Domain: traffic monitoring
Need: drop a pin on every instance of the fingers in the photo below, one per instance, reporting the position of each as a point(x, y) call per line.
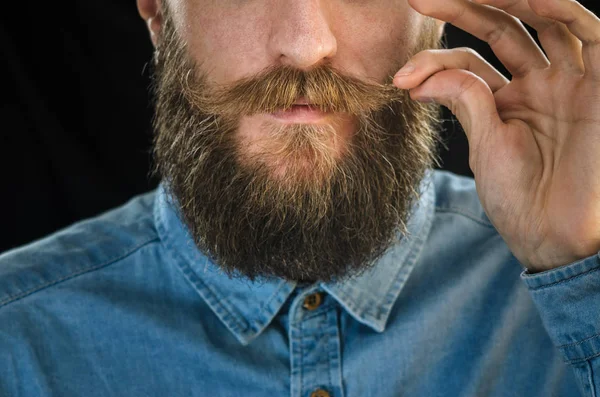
point(430, 62)
point(506, 35)
point(468, 97)
point(562, 47)
point(581, 22)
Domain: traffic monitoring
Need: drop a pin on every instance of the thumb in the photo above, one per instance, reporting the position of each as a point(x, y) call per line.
point(467, 96)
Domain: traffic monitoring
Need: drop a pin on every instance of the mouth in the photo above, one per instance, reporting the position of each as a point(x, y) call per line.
point(301, 112)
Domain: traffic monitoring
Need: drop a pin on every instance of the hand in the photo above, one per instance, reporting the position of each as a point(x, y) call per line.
point(535, 140)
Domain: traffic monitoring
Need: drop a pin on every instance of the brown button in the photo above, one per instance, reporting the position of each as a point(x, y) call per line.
point(313, 301)
point(320, 393)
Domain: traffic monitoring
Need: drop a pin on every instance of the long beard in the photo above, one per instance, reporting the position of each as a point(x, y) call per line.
point(326, 217)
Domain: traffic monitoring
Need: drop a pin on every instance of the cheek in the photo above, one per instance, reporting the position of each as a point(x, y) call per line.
point(377, 40)
point(230, 40)
point(225, 41)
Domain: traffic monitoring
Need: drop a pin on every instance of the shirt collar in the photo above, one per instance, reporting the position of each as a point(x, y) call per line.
point(246, 308)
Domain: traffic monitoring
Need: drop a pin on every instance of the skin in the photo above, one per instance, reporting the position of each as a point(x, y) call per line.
point(534, 140)
point(236, 39)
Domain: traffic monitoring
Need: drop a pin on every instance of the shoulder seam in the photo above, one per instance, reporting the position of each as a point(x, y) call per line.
point(14, 298)
point(459, 211)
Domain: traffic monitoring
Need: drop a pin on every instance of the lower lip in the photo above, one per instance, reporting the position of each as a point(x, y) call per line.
point(300, 114)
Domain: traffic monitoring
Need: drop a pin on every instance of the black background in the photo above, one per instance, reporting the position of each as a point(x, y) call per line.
point(75, 113)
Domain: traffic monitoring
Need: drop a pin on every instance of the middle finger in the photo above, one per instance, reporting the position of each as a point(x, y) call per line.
point(561, 46)
point(505, 34)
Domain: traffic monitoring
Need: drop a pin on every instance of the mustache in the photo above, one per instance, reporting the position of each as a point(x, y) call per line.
point(280, 88)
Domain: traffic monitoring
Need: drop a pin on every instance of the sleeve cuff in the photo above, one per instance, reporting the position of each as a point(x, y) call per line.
point(568, 300)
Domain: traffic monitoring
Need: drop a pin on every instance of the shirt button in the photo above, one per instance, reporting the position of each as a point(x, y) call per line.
point(320, 393)
point(313, 301)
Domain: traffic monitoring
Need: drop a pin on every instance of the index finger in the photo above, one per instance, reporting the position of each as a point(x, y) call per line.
point(506, 35)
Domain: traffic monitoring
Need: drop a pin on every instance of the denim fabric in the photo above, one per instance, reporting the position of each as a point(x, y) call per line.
point(125, 305)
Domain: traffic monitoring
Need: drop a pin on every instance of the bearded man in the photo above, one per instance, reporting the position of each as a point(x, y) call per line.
point(300, 243)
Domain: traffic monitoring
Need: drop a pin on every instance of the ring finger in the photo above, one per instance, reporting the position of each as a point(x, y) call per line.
point(506, 35)
point(562, 48)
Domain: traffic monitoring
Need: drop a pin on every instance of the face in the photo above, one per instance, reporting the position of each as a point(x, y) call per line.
point(279, 134)
point(232, 39)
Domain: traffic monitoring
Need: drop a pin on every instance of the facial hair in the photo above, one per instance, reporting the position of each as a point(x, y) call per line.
point(326, 216)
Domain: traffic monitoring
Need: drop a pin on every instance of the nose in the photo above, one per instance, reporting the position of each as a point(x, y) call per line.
point(301, 35)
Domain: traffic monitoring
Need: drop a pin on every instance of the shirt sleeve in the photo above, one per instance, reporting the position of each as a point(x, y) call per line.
point(568, 299)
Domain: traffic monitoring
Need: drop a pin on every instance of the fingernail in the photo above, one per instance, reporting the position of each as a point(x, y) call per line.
point(406, 70)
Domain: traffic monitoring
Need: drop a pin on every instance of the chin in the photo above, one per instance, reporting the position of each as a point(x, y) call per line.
point(295, 152)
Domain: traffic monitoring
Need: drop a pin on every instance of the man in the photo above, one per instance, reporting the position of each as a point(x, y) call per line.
point(299, 243)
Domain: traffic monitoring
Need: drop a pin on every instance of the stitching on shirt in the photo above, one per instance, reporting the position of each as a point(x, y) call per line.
point(366, 316)
point(580, 342)
point(258, 317)
point(14, 298)
point(402, 275)
point(591, 378)
point(565, 280)
point(328, 343)
point(349, 302)
point(413, 255)
point(465, 214)
point(323, 309)
point(238, 326)
point(219, 306)
point(579, 360)
point(301, 359)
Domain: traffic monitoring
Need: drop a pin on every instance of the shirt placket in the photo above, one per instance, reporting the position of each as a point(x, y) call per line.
point(315, 346)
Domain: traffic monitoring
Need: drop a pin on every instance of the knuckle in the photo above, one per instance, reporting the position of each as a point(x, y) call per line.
point(496, 33)
point(505, 25)
point(467, 82)
point(469, 52)
point(541, 8)
point(552, 28)
point(429, 57)
point(426, 55)
point(594, 41)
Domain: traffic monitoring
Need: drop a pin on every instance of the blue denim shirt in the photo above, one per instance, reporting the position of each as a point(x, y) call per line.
point(125, 305)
